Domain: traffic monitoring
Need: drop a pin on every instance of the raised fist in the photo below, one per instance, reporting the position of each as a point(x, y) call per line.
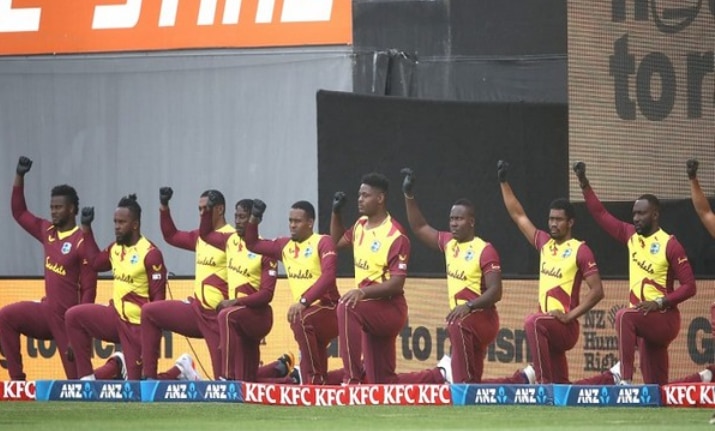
point(87, 216)
point(23, 166)
point(409, 182)
point(580, 169)
point(338, 201)
point(212, 199)
point(502, 170)
point(692, 168)
point(165, 194)
point(259, 207)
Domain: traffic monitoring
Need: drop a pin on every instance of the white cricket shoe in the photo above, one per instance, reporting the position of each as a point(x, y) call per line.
point(445, 365)
point(530, 374)
point(186, 365)
point(616, 371)
point(123, 364)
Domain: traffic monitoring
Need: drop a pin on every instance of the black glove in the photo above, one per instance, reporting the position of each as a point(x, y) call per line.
point(23, 166)
point(211, 199)
point(580, 169)
point(87, 216)
point(338, 201)
point(165, 194)
point(692, 168)
point(502, 170)
point(409, 182)
point(259, 207)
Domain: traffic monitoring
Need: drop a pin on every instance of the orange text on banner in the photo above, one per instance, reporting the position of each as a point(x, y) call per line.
point(52, 27)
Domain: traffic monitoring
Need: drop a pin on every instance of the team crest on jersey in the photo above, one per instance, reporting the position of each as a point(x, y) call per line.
point(308, 251)
point(134, 259)
point(66, 247)
point(251, 255)
point(654, 248)
point(375, 246)
point(469, 255)
point(567, 253)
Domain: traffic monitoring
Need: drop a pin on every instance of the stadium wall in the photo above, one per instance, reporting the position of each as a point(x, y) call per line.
point(240, 121)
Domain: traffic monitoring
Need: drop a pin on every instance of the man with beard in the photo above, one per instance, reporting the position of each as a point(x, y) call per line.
point(372, 315)
point(139, 278)
point(310, 262)
point(565, 261)
point(195, 317)
point(656, 258)
point(473, 285)
point(246, 318)
point(69, 279)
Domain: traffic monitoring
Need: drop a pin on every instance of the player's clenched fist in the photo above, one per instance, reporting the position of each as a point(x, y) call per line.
point(212, 199)
point(692, 168)
point(338, 201)
point(87, 216)
point(259, 207)
point(408, 184)
point(23, 166)
point(580, 169)
point(165, 194)
point(502, 170)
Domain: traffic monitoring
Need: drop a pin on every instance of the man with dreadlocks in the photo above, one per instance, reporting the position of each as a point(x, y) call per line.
point(139, 278)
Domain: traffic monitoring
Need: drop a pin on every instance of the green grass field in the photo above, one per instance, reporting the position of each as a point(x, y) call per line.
point(208, 416)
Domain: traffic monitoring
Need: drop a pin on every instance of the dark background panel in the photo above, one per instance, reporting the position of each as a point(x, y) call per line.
point(453, 148)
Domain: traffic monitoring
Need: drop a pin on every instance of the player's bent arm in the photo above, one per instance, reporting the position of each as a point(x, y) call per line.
point(263, 247)
point(172, 235)
point(594, 295)
point(264, 295)
point(492, 293)
point(702, 206)
point(208, 234)
point(394, 286)
point(422, 230)
point(98, 260)
point(337, 230)
point(87, 279)
point(680, 265)
point(156, 274)
point(328, 270)
point(517, 213)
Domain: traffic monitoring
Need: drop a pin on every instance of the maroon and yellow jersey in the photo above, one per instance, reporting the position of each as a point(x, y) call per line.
point(211, 282)
point(139, 274)
point(650, 271)
point(467, 263)
point(654, 261)
point(310, 264)
point(562, 267)
point(69, 277)
point(380, 252)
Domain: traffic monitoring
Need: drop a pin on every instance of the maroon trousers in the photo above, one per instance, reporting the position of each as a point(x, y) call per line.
point(315, 328)
point(549, 340)
point(87, 321)
point(470, 336)
point(241, 330)
point(651, 333)
point(368, 332)
point(187, 318)
point(36, 320)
